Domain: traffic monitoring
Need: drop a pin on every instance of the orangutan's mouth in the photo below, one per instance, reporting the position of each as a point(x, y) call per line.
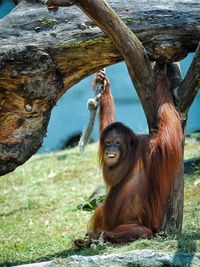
point(111, 155)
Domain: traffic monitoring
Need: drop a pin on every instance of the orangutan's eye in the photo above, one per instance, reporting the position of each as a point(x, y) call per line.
point(108, 142)
point(117, 143)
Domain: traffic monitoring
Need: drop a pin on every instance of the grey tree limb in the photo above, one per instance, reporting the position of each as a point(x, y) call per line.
point(190, 85)
point(143, 258)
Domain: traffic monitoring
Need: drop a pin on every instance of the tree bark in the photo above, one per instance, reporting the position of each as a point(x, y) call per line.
point(42, 55)
point(131, 49)
point(142, 258)
point(190, 86)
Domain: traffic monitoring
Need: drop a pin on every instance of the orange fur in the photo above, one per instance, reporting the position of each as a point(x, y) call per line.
point(139, 186)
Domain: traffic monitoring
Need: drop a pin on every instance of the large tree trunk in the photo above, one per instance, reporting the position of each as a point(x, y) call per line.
point(173, 217)
point(42, 55)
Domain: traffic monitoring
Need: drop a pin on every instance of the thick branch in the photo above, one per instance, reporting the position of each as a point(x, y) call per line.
point(190, 85)
point(129, 46)
point(142, 258)
point(63, 3)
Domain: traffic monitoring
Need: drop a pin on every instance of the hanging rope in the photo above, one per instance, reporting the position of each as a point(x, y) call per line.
point(92, 105)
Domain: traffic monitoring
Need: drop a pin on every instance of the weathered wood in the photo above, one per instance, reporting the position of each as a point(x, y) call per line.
point(142, 258)
point(173, 217)
point(43, 54)
point(189, 87)
point(25, 104)
point(131, 49)
point(61, 3)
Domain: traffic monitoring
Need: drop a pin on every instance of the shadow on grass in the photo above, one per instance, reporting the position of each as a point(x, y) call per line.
point(63, 255)
point(46, 156)
point(190, 165)
point(13, 212)
point(186, 246)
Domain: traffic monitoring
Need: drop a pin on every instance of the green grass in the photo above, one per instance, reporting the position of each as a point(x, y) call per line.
point(38, 208)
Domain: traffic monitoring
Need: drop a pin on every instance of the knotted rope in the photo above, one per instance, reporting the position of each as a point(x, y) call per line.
point(92, 105)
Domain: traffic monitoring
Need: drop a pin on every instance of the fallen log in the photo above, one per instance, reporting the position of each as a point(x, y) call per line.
point(136, 258)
